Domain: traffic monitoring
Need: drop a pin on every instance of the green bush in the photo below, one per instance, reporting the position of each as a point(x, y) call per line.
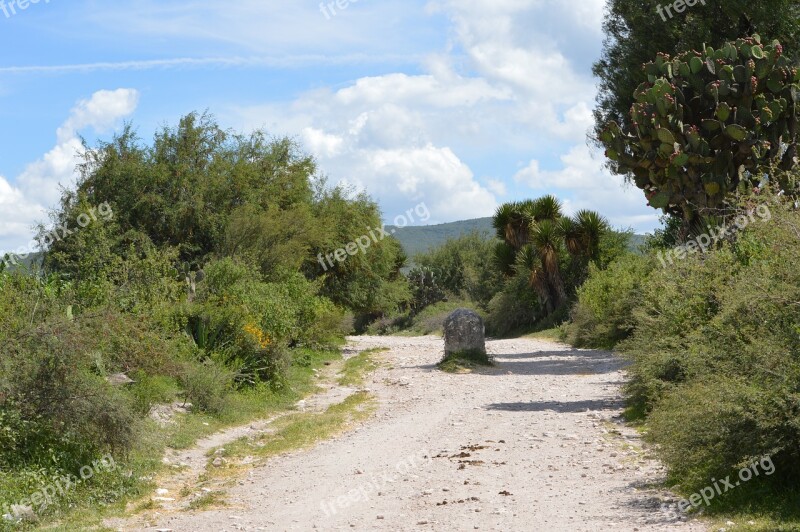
point(713, 349)
point(603, 313)
point(426, 289)
point(150, 390)
point(207, 385)
point(516, 307)
point(59, 410)
point(715, 425)
point(669, 344)
point(461, 267)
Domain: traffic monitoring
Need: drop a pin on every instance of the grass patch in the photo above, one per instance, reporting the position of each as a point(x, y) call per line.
point(357, 367)
point(207, 500)
point(755, 507)
point(635, 413)
point(553, 334)
point(297, 431)
point(465, 361)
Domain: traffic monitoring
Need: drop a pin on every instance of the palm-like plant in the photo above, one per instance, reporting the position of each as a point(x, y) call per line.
point(511, 222)
point(534, 234)
point(589, 228)
point(504, 258)
point(546, 208)
point(529, 264)
point(546, 239)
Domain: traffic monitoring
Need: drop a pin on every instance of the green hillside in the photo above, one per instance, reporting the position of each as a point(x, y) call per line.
point(420, 239)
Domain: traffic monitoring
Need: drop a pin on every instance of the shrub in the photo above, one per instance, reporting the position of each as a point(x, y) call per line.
point(207, 385)
point(60, 410)
point(603, 313)
point(461, 268)
point(715, 354)
point(426, 289)
point(713, 426)
point(668, 344)
point(517, 306)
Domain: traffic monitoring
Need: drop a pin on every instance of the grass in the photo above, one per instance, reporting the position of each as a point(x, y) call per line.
point(295, 432)
point(756, 507)
point(357, 367)
point(108, 495)
point(207, 500)
point(464, 361)
point(553, 334)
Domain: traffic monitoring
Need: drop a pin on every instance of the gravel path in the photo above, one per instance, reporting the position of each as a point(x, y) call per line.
point(532, 444)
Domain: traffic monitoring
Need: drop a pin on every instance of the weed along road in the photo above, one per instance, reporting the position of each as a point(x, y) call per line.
point(534, 443)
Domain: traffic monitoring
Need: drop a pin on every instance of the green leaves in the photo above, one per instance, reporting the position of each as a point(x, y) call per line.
point(723, 111)
point(665, 135)
point(660, 200)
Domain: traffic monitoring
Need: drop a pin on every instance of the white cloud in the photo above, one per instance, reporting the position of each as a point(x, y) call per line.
point(497, 187)
point(38, 188)
point(589, 185)
point(513, 78)
point(101, 112)
point(430, 174)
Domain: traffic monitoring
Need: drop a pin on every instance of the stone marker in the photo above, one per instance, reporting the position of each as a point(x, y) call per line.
point(464, 331)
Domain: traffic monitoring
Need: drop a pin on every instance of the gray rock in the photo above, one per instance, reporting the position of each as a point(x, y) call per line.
point(119, 379)
point(464, 331)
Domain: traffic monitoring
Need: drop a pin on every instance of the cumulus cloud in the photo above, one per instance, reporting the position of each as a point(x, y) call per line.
point(38, 188)
point(513, 82)
point(587, 184)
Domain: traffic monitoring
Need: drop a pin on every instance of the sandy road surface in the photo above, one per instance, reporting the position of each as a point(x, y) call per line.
point(532, 444)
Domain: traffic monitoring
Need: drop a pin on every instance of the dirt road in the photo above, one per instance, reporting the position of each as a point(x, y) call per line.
point(532, 444)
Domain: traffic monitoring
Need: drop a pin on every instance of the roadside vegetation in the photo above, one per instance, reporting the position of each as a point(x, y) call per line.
point(200, 299)
point(708, 314)
point(204, 300)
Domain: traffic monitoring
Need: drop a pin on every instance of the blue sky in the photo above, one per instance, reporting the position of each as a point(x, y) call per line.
point(461, 104)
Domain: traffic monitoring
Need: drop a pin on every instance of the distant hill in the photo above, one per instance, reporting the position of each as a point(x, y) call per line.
point(29, 262)
point(419, 239)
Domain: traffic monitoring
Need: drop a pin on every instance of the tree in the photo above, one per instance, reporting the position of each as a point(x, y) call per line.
point(635, 33)
point(706, 123)
point(535, 235)
point(204, 193)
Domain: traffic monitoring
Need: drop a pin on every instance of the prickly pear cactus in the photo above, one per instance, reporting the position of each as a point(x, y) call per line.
point(705, 123)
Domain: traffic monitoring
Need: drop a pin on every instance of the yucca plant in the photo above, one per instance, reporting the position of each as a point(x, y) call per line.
point(529, 264)
point(546, 239)
point(534, 234)
point(504, 258)
point(511, 222)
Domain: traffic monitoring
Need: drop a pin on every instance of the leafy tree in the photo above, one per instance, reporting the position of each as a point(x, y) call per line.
point(181, 191)
point(204, 193)
point(370, 282)
point(706, 123)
